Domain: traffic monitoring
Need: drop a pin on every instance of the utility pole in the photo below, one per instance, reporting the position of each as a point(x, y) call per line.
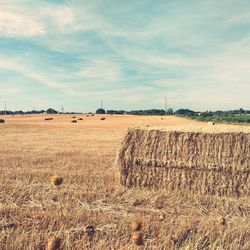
point(166, 105)
point(5, 111)
point(62, 109)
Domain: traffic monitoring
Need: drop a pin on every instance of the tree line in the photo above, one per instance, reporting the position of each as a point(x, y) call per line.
point(33, 112)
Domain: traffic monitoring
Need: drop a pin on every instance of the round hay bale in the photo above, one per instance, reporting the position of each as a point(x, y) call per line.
point(74, 121)
point(73, 117)
point(80, 119)
point(211, 123)
point(2, 121)
point(49, 119)
point(103, 118)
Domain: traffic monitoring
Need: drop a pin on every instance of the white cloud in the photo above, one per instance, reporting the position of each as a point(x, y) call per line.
point(19, 25)
point(61, 17)
point(182, 52)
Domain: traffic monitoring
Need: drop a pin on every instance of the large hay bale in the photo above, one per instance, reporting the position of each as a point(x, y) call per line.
point(2, 121)
point(202, 161)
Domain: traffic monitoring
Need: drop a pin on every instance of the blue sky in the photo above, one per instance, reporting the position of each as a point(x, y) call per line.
point(131, 54)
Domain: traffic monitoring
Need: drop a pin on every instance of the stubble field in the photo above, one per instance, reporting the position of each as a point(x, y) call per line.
point(32, 150)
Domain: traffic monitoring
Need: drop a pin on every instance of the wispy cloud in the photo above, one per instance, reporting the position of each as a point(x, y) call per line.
point(131, 54)
point(60, 17)
point(100, 70)
point(22, 69)
point(18, 25)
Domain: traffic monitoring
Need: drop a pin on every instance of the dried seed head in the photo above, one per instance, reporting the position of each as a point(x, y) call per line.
point(54, 243)
point(222, 221)
point(137, 238)
point(56, 180)
point(161, 217)
point(137, 225)
point(90, 231)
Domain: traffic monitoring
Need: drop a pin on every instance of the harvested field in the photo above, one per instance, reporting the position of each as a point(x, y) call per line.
point(32, 150)
point(212, 160)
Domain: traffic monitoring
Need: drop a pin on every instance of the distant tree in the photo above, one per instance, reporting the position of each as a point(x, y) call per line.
point(206, 114)
point(116, 112)
point(184, 112)
point(170, 111)
point(100, 111)
point(147, 112)
point(241, 111)
point(20, 112)
point(51, 111)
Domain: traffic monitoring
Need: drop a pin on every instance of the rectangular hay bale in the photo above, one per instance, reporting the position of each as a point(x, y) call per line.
point(201, 161)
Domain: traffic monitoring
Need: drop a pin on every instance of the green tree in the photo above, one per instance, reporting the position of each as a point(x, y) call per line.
point(100, 111)
point(170, 111)
point(51, 111)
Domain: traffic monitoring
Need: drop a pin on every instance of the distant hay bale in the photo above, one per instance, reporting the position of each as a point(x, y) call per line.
point(103, 118)
point(80, 119)
point(199, 161)
point(73, 117)
point(211, 123)
point(49, 119)
point(2, 121)
point(74, 121)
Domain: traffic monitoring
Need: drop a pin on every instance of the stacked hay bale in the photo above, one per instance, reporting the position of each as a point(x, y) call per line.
point(202, 161)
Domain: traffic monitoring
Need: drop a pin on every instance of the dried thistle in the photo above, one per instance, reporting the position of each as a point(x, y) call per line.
point(137, 238)
point(137, 225)
point(56, 180)
point(161, 217)
point(222, 221)
point(90, 231)
point(54, 243)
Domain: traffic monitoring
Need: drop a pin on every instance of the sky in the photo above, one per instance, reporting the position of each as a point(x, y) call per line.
point(130, 54)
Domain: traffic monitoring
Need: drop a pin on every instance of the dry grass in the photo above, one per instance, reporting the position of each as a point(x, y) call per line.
point(201, 160)
point(33, 150)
